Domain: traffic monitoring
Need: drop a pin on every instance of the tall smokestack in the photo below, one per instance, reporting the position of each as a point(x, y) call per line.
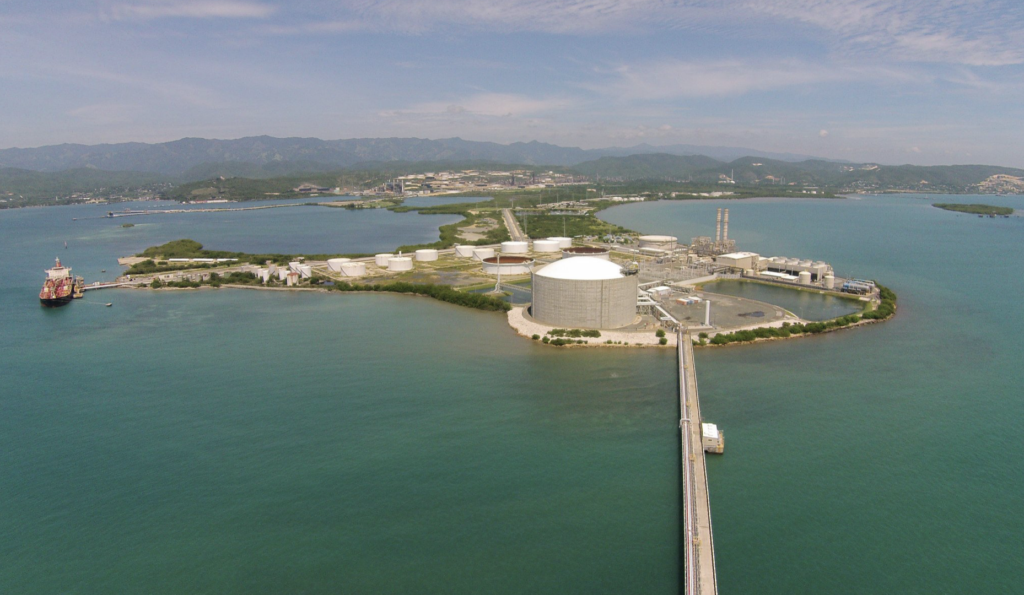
point(718, 227)
point(725, 229)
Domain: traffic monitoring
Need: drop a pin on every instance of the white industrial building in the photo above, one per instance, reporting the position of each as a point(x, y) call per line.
point(739, 260)
point(584, 292)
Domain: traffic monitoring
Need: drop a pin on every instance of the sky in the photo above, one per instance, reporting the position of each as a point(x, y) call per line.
point(888, 81)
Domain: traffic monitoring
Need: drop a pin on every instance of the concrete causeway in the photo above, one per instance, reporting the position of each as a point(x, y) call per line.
point(698, 542)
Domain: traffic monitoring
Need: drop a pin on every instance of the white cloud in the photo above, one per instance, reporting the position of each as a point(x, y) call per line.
point(823, 133)
point(488, 105)
point(197, 9)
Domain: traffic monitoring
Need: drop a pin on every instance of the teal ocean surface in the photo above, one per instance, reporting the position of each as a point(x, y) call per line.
point(232, 441)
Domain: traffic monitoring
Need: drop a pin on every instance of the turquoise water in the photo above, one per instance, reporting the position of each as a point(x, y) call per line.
point(881, 459)
point(805, 304)
point(257, 442)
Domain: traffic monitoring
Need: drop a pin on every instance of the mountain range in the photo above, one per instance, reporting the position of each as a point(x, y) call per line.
point(266, 156)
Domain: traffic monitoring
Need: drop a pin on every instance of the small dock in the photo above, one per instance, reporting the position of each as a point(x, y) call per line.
point(698, 542)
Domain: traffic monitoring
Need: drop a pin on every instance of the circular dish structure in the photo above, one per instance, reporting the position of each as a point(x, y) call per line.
point(584, 292)
point(426, 255)
point(464, 251)
point(334, 264)
point(400, 263)
point(659, 242)
point(562, 242)
point(381, 260)
point(482, 253)
point(508, 265)
point(515, 247)
point(546, 246)
point(585, 251)
point(353, 269)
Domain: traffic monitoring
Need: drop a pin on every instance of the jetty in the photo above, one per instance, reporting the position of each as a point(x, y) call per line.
point(698, 542)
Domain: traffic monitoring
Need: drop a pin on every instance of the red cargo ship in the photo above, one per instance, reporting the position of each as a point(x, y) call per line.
point(60, 287)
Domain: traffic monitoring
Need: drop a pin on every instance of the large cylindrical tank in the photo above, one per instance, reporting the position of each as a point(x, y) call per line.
point(482, 253)
point(294, 266)
point(305, 271)
point(585, 251)
point(381, 260)
point(282, 274)
point(805, 277)
point(515, 247)
point(830, 282)
point(546, 246)
point(464, 251)
point(353, 269)
point(508, 265)
point(272, 268)
point(426, 255)
point(335, 263)
point(400, 263)
point(584, 292)
point(658, 242)
point(562, 242)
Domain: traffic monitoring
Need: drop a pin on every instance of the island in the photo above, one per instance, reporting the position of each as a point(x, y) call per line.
point(976, 209)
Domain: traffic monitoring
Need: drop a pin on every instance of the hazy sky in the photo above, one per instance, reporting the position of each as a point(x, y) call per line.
point(895, 81)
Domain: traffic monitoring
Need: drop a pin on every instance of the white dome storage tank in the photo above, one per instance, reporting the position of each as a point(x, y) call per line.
point(805, 277)
point(658, 242)
point(294, 266)
point(335, 263)
point(464, 251)
point(830, 282)
point(305, 271)
point(482, 253)
point(381, 260)
point(514, 247)
point(584, 292)
point(546, 246)
point(426, 255)
point(400, 263)
point(562, 242)
point(508, 265)
point(353, 269)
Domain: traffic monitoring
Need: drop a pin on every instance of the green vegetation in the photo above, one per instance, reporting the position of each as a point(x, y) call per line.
point(543, 225)
point(535, 337)
point(444, 293)
point(22, 187)
point(886, 309)
point(574, 333)
point(127, 225)
point(450, 233)
point(193, 249)
point(975, 209)
point(659, 333)
point(663, 341)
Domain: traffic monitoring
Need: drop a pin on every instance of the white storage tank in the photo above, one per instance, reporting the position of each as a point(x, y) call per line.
point(830, 282)
point(464, 251)
point(335, 263)
point(584, 292)
point(400, 263)
point(562, 242)
point(805, 277)
point(294, 266)
point(514, 247)
point(508, 265)
point(305, 271)
point(546, 246)
point(658, 242)
point(272, 268)
point(482, 253)
point(282, 274)
point(426, 255)
point(353, 269)
point(381, 260)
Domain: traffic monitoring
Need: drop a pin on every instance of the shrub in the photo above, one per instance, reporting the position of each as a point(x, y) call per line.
point(663, 341)
point(535, 337)
point(702, 335)
point(659, 333)
point(546, 340)
point(156, 284)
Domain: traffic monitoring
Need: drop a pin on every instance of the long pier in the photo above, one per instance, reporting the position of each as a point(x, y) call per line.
point(698, 542)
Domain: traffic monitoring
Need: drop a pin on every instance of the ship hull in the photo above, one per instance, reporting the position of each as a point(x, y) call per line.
point(55, 302)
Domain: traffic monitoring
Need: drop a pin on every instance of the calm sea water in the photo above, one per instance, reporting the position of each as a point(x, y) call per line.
point(805, 304)
point(885, 459)
point(257, 442)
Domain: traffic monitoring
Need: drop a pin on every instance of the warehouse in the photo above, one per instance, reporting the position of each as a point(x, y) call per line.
point(584, 292)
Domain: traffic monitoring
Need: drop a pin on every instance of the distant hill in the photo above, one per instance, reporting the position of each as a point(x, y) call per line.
point(191, 158)
point(812, 172)
point(20, 186)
